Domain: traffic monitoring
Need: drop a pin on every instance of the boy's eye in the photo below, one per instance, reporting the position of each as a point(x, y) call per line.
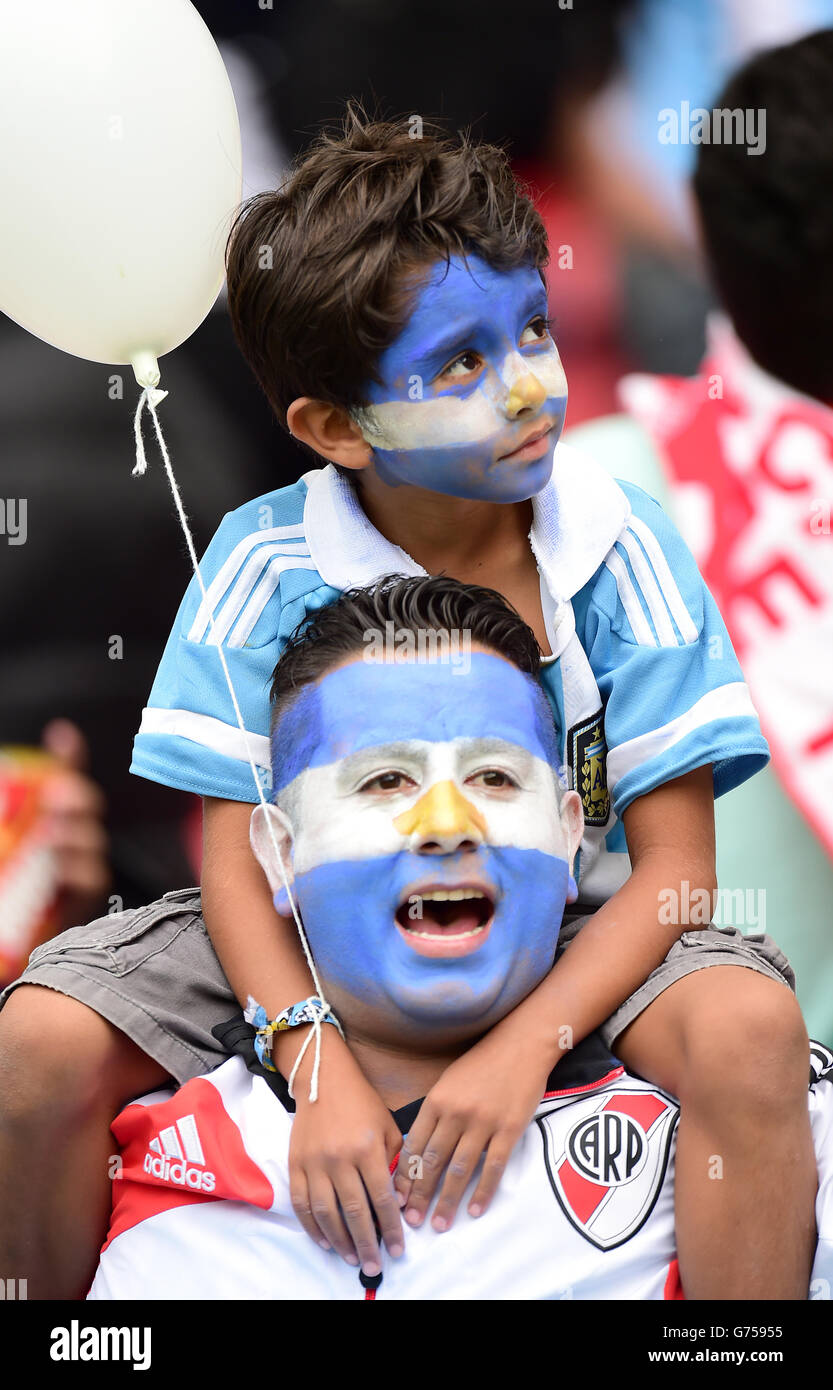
point(388, 782)
point(493, 778)
point(467, 362)
point(536, 330)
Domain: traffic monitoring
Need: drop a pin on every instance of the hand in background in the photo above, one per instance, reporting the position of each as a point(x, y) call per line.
point(73, 826)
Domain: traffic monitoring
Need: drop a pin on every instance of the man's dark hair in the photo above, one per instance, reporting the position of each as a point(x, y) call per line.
point(320, 271)
point(433, 604)
point(768, 218)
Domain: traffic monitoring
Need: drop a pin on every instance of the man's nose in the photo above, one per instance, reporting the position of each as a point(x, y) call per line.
point(442, 821)
point(525, 392)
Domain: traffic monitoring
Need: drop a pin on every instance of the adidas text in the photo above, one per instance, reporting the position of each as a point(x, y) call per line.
point(177, 1171)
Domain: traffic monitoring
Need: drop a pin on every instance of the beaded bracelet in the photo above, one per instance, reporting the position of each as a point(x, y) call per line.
point(307, 1011)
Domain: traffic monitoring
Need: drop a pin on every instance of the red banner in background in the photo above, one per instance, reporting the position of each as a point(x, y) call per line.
point(750, 465)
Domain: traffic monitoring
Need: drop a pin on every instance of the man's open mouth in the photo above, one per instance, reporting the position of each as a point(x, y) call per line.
point(446, 921)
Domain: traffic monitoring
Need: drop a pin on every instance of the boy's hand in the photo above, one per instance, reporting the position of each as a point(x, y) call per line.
point(340, 1155)
point(481, 1104)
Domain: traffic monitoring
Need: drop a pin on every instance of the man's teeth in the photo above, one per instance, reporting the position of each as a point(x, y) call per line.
point(450, 895)
point(445, 936)
point(447, 895)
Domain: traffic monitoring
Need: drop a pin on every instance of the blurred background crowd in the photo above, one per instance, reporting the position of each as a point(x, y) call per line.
point(86, 603)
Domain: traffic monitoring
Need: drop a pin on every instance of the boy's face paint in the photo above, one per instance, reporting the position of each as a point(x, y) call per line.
point(422, 785)
point(473, 392)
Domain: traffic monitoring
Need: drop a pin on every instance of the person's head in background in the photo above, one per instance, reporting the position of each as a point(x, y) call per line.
point(417, 809)
point(767, 218)
point(390, 299)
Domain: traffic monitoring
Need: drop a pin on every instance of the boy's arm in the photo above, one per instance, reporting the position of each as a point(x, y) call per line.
point(485, 1100)
point(344, 1142)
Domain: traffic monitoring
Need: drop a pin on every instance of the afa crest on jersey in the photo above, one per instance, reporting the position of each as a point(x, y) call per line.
point(587, 755)
point(606, 1169)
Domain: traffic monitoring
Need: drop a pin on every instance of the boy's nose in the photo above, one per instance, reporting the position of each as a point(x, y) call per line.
point(441, 821)
point(526, 391)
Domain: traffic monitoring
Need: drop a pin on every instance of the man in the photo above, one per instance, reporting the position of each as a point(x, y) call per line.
point(419, 825)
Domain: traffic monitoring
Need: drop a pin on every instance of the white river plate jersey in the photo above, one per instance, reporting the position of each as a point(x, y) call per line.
point(585, 1209)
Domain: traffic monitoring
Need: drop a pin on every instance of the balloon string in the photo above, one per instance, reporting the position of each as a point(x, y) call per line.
point(150, 398)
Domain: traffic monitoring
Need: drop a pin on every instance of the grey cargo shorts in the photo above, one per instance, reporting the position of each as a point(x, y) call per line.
point(152, 972)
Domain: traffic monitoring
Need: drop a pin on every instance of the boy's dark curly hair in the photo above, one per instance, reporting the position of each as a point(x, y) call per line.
point(319, 271)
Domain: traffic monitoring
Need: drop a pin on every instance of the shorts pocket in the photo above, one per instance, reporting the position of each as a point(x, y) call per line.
point(122, 941)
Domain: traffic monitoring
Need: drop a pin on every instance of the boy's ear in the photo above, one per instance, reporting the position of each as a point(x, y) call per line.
point(330, 431)
point(268, 823)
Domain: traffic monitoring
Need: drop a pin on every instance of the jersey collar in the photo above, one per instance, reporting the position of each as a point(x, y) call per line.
point(577, 518)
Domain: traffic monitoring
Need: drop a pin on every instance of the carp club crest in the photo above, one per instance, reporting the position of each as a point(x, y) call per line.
point(607, 1166)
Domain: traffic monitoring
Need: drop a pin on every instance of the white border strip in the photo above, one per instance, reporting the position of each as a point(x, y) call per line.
point(249, 596)
point(230, 567)
point(211, 733)
point(627, 595)
point(668, 583)
point(644, 576)
point(731, 701)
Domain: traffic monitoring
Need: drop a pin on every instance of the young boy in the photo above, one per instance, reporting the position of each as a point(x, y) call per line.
point(390, 300)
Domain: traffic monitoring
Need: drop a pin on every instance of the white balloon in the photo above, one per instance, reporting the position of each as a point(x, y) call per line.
point(120, 173)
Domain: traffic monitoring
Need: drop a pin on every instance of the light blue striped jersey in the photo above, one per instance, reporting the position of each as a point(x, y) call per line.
point(642, 681)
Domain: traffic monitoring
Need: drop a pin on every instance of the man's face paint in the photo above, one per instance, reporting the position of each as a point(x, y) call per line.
point(429, 856)
point(473, 392)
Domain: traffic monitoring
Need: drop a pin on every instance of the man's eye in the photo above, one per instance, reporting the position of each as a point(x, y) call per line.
point(535, 331)
point(493, 778)
point(463, 365)
point(388, 782)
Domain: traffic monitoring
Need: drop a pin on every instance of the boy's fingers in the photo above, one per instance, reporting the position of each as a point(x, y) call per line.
point(358, 1218)
point(421, 1131)
point(299, 1197)
point(410, 1155)
point(393, 1142)
point(326, 1215)
point(457, 1178)
point(394, 1149)
point(497, 1157)
point(427, 1168)
point(383, 1199)
point(401, 1181)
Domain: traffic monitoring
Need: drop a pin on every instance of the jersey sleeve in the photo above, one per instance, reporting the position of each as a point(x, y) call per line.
point(260, 583)
point(674, 694)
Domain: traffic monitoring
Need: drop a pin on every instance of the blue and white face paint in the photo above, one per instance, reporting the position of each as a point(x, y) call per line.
point(473, 394)
point(430, 857)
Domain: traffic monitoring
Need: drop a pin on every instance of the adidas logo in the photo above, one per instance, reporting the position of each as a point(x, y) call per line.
point(171, 1152)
